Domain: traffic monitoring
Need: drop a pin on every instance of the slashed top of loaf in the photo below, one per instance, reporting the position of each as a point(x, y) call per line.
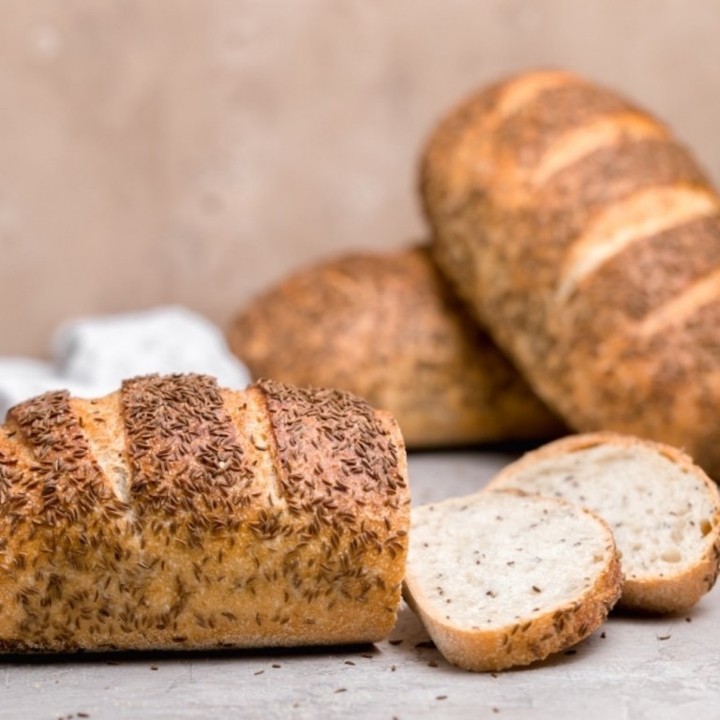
point(175, 513)
point(490, 560)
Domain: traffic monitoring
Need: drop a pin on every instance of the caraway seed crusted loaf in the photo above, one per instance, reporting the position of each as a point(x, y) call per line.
point(176, 514)
point(387, 327)
point(663, 510)
point(501, 578)
point(587, 240)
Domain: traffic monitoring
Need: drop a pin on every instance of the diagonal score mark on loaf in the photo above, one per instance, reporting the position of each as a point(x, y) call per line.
point(580, 142)
point(523, 90)
point(543, 135)
point(472, 135)
point(633, 219)
point(101, 421)
point(337, 462)
point(343, 480)
point(679, 309)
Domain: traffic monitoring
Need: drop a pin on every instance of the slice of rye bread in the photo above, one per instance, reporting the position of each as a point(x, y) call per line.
point(505, 578)
point(663, 509)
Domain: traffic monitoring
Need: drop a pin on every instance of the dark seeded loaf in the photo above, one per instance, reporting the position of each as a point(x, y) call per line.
point(586, 238)
point(501, 578)
point(175, 514)
point(663, 510)
point(387, 327)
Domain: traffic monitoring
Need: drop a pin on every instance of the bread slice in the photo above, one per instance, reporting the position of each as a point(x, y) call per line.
point(505, 578)
point(664, 511)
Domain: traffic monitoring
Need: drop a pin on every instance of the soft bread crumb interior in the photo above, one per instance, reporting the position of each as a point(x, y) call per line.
point(490, 559)
point(659, 512)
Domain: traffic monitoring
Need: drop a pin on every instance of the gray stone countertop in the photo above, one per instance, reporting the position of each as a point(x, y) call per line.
point(633, 667)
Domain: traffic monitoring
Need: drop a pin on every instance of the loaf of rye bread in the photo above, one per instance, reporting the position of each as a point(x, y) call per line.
point(175, 514)
point(587, 240)
point(387, 327)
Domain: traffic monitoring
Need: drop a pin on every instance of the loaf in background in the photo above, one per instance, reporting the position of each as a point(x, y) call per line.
point(387, 327)
point(176, 514)
point(586, 238)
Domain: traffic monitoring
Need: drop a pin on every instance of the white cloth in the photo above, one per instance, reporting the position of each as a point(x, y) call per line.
point(91, 356)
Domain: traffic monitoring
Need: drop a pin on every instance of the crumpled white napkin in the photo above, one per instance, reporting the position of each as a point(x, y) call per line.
point(91, 356)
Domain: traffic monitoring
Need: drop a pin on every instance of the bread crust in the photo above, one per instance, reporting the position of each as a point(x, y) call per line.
point(519, 195)
point(661, 593)
point(387, 327)
point(176, 514)
point(529, 639)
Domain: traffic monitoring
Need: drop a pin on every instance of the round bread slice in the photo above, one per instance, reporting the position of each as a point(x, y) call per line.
point(505, 578)
point(663, 510)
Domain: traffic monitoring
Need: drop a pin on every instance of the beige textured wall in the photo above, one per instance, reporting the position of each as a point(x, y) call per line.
point(194, 151)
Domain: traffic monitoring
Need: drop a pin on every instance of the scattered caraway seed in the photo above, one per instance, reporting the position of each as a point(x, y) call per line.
point(441, 697)
point(83, 715)
point(603, 634)
point(276, 665)
point(349, 662)
point(340, 690)
point(688, 619)
point(366, 655)
point(153, 667)
point(664, 637)
point(496, 710)
point(259, 672)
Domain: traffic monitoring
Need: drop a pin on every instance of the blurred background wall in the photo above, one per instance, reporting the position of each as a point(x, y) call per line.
point(194, 151)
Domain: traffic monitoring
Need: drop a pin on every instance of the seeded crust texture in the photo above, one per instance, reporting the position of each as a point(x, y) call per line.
point(586, 239)
point(662, 508)
point(176, 514)
point(387, 327)
point(501, 578)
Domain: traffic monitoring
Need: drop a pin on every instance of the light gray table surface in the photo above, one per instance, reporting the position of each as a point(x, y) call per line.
point(633, 667)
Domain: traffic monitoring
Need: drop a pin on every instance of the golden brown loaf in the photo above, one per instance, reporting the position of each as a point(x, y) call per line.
point(175, 514)
point(387, 327)
point(587, 239)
